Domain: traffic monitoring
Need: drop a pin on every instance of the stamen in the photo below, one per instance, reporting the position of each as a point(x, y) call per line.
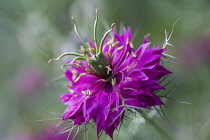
point(83, 92)
point(100, 66)
point(68, 85)
point(77, 79)
point(90, 50)
point(119, 48)
point(111, 41)
point(108, 69)
point(93, 50)
point(110, 47)
point(134, 55)
point(131, 44)
point(114, 82)
point(88, 70)
point(70, 90)
point(82, 50)
point(88, 92)
point(129, 79)
point(115, 44)
point(82, 74)
point(109, 56)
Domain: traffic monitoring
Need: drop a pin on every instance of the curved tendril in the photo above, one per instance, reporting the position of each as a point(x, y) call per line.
point(95, 27)
point(78, 34)
point(71, 63)
point(104, 37)
point(65, 54)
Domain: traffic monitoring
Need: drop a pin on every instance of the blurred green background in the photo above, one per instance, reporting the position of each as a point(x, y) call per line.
point(34, 31)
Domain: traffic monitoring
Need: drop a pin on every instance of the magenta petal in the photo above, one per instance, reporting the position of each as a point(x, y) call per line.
point(90, 108)
point(69, 75)
point(74, 106)
point(78, 118)
point(136, 75)
point(140, 51)
point(65, 97)
point(153, 100)
point(146, 38)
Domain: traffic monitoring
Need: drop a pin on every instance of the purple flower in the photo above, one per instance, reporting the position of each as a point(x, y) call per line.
point(107, 79)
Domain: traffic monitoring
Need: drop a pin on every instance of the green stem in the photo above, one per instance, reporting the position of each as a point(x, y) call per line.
point(104, 37)
point(78, 34)
point(65, 54)
point(71, 63)
point(95, 27)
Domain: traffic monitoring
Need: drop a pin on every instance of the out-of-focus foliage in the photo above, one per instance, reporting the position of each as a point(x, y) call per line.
point(34, 31)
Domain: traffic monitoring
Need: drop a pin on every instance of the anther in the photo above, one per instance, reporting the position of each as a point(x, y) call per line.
point(88, 92)
point(100, 66)
point(115, 44)
point(114, 82)
point(82, 74)
point(119, 48)
point(70, 90)
point(134, 55)
point(129, 79)
point(131, 44)
point(77, 79)
point(68, 85)
point(108, 69)
point(109, 56)
point(83, 92)
point(88, 70)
